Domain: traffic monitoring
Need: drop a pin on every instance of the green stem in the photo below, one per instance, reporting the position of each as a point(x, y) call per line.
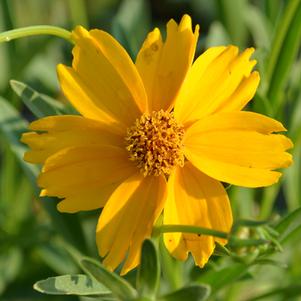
point(35, 30)
point(189, 229)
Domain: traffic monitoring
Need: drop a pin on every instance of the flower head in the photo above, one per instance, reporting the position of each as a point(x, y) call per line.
point(155, 135)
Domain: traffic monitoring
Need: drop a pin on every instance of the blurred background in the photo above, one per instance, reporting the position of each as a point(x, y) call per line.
point(33, 233)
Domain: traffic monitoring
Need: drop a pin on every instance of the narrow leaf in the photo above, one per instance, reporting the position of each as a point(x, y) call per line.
point(293, 236)
point(289, 223)
point(234, 22)
point(195, 292)
point(285, 293)
point(258, 25)
point(237, 242)
point(39, 104)
point(266, 261)
point(279, 36)
point(149, 271)
point(250, 223)
point(12, 125)
point(221, 250)
point(119, 287)
point(80, 285)
point(217, 279)
point(131, 24)
point(287, 52)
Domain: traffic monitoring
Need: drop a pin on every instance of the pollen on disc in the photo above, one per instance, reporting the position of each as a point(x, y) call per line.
point(155, 143)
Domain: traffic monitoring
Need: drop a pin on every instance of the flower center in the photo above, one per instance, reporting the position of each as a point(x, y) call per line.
point(155, 143)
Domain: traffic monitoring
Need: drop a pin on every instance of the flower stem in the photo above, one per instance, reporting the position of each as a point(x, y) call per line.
point(189, 229)
point(35, 30)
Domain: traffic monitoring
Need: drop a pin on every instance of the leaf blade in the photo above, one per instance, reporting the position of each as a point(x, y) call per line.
point(195, 292)
point(79, 285)
point(149, 271)
point(119, 287)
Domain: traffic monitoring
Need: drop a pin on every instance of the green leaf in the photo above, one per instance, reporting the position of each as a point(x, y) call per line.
point(272, 9)
point(131, 24)
point(268, 199)
point(149, 271)
point(284, 50)
point(233, 21)
point(172, 269)
point(39, 104)
point(218, 279)
point(221, 250)
point(285, 293)
point(10, 266)
point(196, 292)
point(266, 261)
point(258, 25)
point(250, 223)
point(56, 258)
point(217, 35)
point(80, 285)
point(292, 177)
point(12, 125)
point(293, 236)
point(289, 223)
point(119, 287)
point(238, 243)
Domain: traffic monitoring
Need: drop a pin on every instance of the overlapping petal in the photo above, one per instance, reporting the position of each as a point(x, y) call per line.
point(85, 176)
point(58, 132)
point(103, 82)
point(164, 65)
point(238, 148)
point(219, 80)
point(128, 218)
point(198, 200)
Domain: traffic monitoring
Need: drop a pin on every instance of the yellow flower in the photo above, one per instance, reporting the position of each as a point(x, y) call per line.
point(160, 133)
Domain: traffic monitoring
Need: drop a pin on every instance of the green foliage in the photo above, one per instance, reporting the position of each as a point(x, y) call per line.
point(192, 292)
point(148, 277)
point(79, 285)
point(289, 225)
point(131, 23)
point(119, 287)
point(39, 104)
point(108, 285)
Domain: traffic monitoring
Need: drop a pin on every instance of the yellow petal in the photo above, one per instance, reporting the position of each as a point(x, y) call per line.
point(198, 200)
point(243, 120)
point(89, 197)
point(242, 95)
point(163, 66)
point(212, 81)
point(85, 176)
point(127, 219)
point(103, 82)
point(238, 148)
point(59, 132)
point(62, 123)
